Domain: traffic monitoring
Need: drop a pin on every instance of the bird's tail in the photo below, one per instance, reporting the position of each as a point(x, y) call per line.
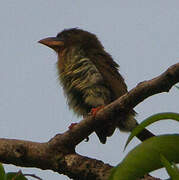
point(145, 134)
point(130, 123)
point(125, 124)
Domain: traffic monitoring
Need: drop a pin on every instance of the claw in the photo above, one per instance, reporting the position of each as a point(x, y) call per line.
point(95, 110)
point(87, 139)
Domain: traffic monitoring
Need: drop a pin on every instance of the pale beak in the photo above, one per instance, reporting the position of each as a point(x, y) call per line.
point(52, 42)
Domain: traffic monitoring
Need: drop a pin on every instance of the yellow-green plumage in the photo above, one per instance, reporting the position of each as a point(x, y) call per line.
point(82, 83)
point(90, 78)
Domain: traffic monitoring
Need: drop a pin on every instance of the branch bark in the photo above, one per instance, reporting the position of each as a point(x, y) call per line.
point(59, 154)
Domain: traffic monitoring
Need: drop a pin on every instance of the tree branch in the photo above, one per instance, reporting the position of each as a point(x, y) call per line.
point(143, 90)
point(59, 153)
point(59, 159)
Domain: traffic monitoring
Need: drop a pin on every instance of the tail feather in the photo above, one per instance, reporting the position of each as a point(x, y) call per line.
point(145, 134)
point(126, 125)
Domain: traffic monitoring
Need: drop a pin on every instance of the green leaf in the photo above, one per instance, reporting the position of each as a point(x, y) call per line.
point(150, 120)
point(146, 157)
point(171, 169)
point(113, 170)
point(15, 176)
point(2, 172)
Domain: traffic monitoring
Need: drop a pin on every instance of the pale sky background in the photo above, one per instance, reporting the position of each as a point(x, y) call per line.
point(142, 36)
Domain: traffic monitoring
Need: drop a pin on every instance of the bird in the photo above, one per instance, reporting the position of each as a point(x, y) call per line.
point(90, 79)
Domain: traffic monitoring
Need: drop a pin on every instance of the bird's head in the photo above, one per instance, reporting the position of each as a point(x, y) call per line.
point(70, 38)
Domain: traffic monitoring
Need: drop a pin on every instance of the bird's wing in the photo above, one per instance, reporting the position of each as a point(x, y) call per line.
point(109, 70)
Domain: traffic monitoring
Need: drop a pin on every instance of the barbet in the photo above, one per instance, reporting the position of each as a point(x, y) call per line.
point(90, 78)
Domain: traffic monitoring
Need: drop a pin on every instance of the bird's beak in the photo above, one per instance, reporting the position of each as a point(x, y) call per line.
point(52, 42)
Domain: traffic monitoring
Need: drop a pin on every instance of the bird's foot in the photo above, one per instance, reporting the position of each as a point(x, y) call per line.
point(72, 126)
point(95, 110)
